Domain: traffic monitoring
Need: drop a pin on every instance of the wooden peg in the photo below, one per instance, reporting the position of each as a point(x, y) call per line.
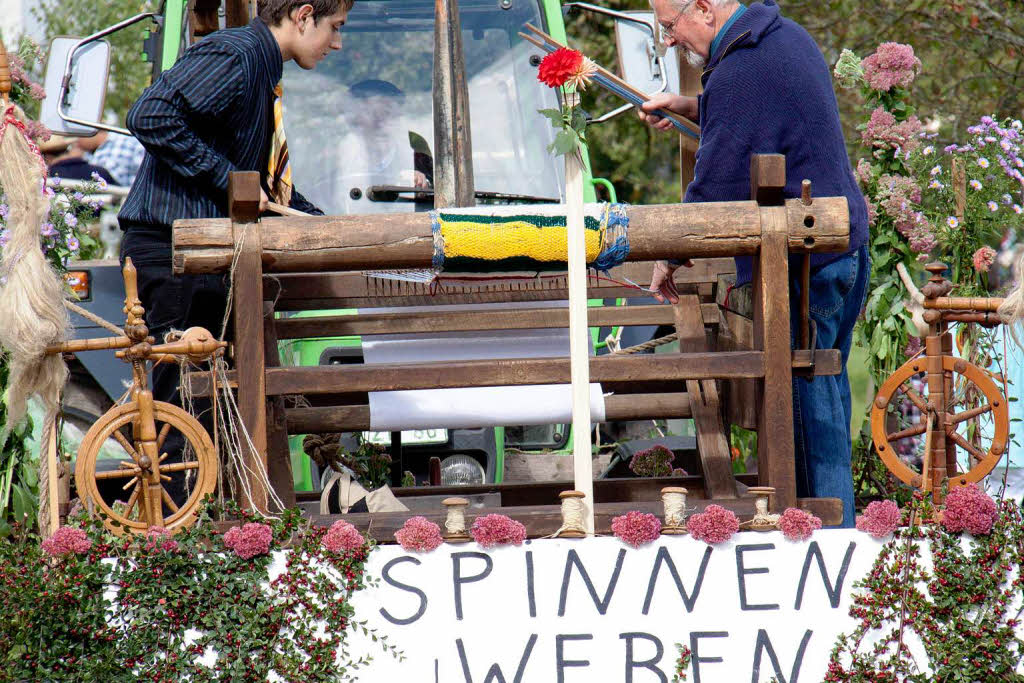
point(805, 192)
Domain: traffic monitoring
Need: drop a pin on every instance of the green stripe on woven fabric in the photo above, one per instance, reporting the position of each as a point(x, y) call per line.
point(589, 222)
point(460, 264)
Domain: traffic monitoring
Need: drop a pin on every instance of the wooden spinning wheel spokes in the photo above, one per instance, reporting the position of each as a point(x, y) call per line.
point(972, 392)
point(143, 475)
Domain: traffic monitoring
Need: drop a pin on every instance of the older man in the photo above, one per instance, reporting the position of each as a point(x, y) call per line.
point(767, 89)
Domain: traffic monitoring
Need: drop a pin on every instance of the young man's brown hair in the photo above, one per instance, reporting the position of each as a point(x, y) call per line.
point(272, 12)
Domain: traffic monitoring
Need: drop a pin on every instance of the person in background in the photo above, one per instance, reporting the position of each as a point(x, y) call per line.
point(120, 154)
point(65, 158)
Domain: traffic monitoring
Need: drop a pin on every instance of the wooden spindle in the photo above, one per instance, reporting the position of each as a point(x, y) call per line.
point(5, 75)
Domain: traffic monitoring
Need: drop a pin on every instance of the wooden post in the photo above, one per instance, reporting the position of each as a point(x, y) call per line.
point(775, 449)
point(5, 75)
point(52, 521)
point(689, 85)
point(579, 348)
point(247, 296)
point(279, 460)
point(453, 144)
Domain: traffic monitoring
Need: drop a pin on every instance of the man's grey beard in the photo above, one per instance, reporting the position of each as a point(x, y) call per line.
point(695, 60)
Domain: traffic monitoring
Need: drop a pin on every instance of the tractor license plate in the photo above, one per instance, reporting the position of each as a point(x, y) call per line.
point(411, 437)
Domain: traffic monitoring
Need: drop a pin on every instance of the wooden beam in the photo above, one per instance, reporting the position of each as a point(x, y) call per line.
point(615, 372)
point(477, 320)
point(617, 408)
point(279, 462)
point(405, 240)
point(247, 290)
point(775, 448)
point(453, 145)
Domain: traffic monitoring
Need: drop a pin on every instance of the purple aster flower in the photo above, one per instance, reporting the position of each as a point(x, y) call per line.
point(48, 230)
point(70, 220)
point(4, 211)
point(78, 196)
point(72, 243)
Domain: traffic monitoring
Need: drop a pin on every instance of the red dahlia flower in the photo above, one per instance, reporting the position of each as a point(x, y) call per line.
point(556, 68)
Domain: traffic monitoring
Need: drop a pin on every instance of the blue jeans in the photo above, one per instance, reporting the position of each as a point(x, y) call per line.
point(821, 406)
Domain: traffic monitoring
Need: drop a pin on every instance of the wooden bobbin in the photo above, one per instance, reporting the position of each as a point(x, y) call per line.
point(570, 529)
point(763, 520)
point(454, 509)
point(5, 75)
point(676, 526)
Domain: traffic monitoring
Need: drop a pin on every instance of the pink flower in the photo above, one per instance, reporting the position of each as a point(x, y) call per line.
point(714, 525)
point(893, 64)
point(159, 538)
point(67, 541)
point(342, 537)
point(984, 258)
point(419, 533)
point(636, 528)
point(798, 525)
point(863, 172)
point(969, 509)
point(250, 540)
point(492, 530)
point(883, 131)
point(655, 461)
point(880, 518)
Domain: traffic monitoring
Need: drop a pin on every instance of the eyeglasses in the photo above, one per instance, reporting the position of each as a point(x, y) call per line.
point(668, 29)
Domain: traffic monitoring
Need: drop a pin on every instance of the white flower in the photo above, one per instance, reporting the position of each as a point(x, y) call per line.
point(935, 184)
point(927, 151)
point(952, 221)
point(1016, 125)
point(975, 184)
point(983, 162)
point(992, 206)
point(70, 220)
point(1017, 209)
point(936, 170)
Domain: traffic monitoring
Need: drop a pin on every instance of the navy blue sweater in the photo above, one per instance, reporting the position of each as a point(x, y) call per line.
point(767, 89)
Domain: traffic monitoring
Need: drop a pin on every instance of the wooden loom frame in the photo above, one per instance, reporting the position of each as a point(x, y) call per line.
point(294, 249)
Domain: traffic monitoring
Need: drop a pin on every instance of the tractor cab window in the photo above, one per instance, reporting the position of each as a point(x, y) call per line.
point(361, 121)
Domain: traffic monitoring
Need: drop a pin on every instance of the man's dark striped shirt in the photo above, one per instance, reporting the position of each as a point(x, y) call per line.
point(209, 114)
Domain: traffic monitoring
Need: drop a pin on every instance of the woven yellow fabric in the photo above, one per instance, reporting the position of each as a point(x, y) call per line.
point(279, 168)
point(497, 241)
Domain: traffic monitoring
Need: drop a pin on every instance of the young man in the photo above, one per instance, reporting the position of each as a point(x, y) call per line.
point(212, 113)
point(768, 89)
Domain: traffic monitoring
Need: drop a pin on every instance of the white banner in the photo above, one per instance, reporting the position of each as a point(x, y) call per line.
point(569, 611)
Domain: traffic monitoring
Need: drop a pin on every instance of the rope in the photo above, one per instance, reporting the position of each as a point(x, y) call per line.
point(647, 345)
point(92, 317)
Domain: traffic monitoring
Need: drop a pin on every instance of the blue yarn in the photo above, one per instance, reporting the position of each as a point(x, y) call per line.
point(614, 254)
point(435, 228)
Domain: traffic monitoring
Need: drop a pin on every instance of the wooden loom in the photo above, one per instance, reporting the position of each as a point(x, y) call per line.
point(317, 263)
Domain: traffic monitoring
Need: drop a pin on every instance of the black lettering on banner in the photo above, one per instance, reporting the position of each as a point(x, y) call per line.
point(663, 557)
point(696, 660)
point(835, 593)
point(531, 596)
point(602, 605)
point(494, 674)
point(391, 581)
point(742, 571)
point(561, 663)
point(458, 579)
point(764, 644)
point(649, 664)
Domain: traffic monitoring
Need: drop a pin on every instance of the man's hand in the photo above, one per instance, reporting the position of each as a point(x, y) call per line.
point(679, 104)
point(264, 201)
point(419, 180)
point(663, 285)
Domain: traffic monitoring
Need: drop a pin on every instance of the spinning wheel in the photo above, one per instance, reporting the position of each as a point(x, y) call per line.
point(146, 474)
point(973, 416)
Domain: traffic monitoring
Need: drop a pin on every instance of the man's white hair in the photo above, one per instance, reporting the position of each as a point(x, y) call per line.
point(679, 4)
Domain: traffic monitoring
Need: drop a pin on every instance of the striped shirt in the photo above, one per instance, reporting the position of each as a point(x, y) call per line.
point(209, 114)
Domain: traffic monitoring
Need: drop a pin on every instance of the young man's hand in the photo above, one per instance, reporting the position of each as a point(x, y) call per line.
point(264, 201)
point(663, 285)
point(679, 104)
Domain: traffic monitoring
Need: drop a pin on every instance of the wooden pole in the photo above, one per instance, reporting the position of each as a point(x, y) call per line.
point(453, 144)
point(52, 522)
point(579, 351)
point(5, 75)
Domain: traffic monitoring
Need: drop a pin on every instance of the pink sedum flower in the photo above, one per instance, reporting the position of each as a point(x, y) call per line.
point(67, 541)
point(342, 537)
point(714, 525)
point(636, 528)
point(969, 509)
point(493, 530)
point(983, 259)
point(159, 538)
point(419, 534)
point(798, 525)
point(880, 518)
point(883, 131)
point(892, 65)
point(249, 540)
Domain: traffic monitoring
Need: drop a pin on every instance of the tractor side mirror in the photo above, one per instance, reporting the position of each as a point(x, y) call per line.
point(76, 86)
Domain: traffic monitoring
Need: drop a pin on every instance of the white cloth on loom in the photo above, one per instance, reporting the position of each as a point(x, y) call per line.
point(472, 407)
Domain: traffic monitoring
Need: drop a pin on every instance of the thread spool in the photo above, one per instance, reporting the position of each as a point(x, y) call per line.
point(572, 515)
point(455, 520)
point(673, 500)
point(762, 520)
